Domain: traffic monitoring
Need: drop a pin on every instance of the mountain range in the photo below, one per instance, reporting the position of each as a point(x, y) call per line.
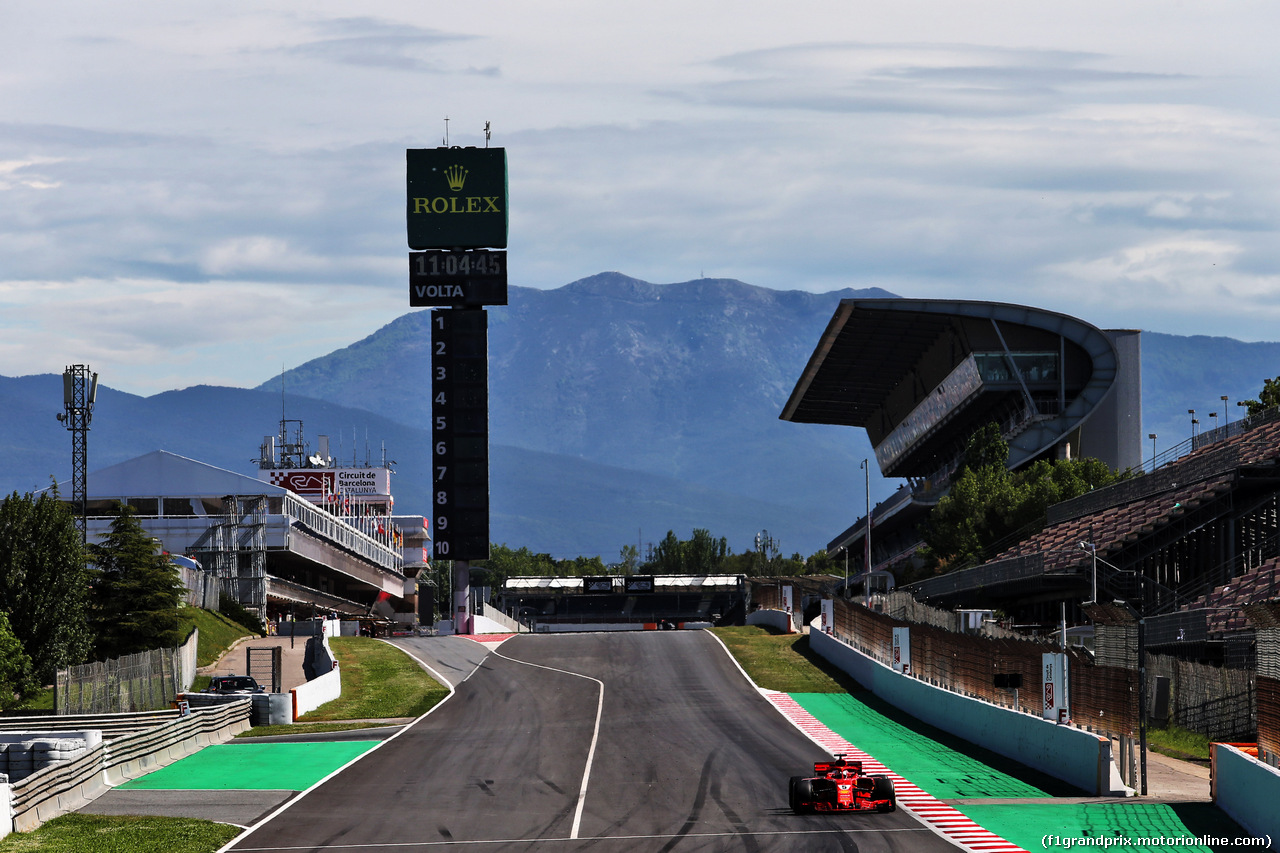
point(619, 409)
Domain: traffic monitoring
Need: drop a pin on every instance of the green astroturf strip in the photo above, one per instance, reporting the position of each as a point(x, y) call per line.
point(949, 769)
point(253, 766)
point(1047, 827)
point(917, 757)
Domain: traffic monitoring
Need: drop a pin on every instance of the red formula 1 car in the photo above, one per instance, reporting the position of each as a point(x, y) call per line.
point(841, 786)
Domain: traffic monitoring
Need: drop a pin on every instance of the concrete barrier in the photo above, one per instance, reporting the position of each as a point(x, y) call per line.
point(779, 620)
point(576, 627)
point(321, 656)
point(1246, 789)
point(68, 786)
point(111, 726)
point(1073, 755)
point(266, 709)
point(314, 693)
point(6, 806)
point(494, 621)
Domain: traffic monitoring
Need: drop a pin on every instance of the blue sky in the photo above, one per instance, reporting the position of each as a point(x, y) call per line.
point(194, 194)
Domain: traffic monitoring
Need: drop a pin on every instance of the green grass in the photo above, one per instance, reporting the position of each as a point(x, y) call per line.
point(784, 662)
point(41, 700)
point(308, 729)
point(1178, 743)
point(378, 681)
point(77, 833)
point(217, 633)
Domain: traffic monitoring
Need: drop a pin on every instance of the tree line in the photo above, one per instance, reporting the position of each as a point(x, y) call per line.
point(63, 602)
point(990, 508)
point(700, 554)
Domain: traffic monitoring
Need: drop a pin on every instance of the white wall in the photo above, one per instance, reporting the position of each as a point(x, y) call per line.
point(1246, 789)
point(317, 691)
point(779, 620)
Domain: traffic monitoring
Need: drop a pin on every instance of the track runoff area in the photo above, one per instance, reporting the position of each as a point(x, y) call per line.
point(658, 741)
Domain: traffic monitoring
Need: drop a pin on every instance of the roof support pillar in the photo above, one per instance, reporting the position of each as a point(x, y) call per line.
point(1013, 368)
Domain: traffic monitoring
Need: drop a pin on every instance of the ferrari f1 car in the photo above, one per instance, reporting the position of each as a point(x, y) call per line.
point(841, 786)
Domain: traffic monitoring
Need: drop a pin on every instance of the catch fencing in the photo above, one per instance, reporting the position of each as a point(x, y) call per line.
point(203, 589)
point(1268, 620)
point(1224, 703)
point(146, 681)
point(1103, 697)
point(1233, 703)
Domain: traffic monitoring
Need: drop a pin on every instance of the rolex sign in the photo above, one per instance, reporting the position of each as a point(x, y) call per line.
point(457, 198)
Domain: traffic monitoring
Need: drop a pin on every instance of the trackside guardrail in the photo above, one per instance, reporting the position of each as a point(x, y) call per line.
point(112, 726)
point(65, 787)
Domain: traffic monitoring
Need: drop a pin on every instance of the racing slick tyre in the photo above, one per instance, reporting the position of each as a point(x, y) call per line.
point(883, 790)
point(802, 795)
point(792, 802)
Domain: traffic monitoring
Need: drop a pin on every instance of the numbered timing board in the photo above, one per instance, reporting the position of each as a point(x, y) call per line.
point(440, 278)
point(460, 433)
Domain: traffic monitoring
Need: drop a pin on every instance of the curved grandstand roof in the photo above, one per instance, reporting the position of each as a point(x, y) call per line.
point(920, 375)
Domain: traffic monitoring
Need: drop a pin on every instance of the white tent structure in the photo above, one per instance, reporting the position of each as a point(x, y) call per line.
point(264, 543)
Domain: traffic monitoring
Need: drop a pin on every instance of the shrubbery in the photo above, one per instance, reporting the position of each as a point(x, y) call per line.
point(237, 613)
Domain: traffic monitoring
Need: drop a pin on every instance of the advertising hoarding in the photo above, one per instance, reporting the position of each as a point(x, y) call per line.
point(1056, 704)
point(307, 482)
point(456, 198)
point(901, 661)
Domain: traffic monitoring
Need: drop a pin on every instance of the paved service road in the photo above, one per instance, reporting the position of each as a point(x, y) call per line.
point(680, 754)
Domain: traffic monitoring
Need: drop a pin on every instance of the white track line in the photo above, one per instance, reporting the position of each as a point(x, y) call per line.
point(595, 736)
point(605, 839)
point(231, 845)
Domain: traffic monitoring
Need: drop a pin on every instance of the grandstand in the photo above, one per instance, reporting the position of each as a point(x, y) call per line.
point(1171, 576)
point(621, 601)
point(920, 376)
point(1189, 545)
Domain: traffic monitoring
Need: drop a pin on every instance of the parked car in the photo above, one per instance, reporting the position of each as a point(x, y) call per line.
point(230, 685)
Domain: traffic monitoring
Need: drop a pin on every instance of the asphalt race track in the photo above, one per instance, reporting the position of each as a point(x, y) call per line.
point(686, 756)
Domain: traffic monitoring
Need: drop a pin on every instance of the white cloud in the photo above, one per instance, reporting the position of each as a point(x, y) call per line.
point(221, 170)
point(19, 173)
point(142, 334)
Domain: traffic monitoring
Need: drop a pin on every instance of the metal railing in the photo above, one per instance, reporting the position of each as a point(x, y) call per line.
point(336, 530)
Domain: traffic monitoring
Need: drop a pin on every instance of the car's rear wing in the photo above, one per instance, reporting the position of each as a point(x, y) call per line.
point(823, 768)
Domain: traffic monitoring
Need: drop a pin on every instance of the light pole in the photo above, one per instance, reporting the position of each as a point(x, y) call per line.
point(1225, 418)
point(866, 580)
point(1093, 551)
point(79, 392)
point(1214, 415)
point(1152, 436)
point(1192, 412)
